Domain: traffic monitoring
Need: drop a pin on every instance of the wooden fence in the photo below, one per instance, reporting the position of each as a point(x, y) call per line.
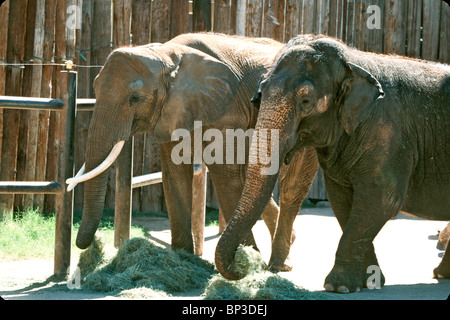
point(36, 36)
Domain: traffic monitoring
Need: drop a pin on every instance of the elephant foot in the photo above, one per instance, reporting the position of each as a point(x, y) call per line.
point(343, 280)
point(442, 271)
point(189, 248)
point(280, 265)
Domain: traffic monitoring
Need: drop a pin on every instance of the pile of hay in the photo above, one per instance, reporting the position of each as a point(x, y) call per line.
point(142, 269)
point(258, 284)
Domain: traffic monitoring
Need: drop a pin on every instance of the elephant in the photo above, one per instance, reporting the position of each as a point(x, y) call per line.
point(164, 88)
point(380, 128)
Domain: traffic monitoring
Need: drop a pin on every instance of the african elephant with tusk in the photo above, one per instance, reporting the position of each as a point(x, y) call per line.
point(172, 87)
point(380, 126)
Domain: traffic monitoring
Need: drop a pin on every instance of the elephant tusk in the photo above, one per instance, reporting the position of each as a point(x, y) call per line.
point(71, 186)
point(100, 168)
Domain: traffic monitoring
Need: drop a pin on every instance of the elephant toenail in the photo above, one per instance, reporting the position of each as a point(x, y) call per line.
point(329, 287)
point(343, 289)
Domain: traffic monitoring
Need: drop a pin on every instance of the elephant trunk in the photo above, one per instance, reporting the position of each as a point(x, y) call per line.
point(244, 218)
point(256, 194)
point(94, 201)
point(106, 130)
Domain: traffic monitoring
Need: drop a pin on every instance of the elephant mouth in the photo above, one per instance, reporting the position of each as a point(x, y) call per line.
point(81, 176)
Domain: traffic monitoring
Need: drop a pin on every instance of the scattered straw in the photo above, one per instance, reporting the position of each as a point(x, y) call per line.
point(258, 284)
point(92, 258)
point(140, 264)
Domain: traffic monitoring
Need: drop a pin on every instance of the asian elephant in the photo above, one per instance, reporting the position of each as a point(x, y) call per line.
point(380, 125)
point(209, 78)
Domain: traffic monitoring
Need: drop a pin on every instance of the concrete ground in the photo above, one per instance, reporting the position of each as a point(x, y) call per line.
point(405, 247)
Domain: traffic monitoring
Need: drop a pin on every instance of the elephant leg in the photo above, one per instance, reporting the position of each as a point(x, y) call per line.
point(443, 270)
point(295, 182)
point(361, 218)
point(341, 203)
point(177, 186)
point(228, 183)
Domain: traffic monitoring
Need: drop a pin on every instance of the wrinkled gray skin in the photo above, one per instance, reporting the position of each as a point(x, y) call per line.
point(160, 88)
point(381, 128)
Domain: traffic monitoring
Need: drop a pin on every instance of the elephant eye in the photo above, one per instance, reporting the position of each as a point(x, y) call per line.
point(134, 98)
point(305, 101)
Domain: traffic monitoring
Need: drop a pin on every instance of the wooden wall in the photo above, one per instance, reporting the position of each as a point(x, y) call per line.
point(38, 35)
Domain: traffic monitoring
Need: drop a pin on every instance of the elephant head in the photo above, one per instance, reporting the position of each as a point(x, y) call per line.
point(156, 88)
point(311, 95)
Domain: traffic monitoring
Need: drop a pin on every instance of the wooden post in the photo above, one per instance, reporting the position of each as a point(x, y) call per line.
point(198, 207)
point(124, 176)
point(64, 200)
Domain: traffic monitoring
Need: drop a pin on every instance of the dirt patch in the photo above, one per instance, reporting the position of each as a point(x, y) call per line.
point(406, 249)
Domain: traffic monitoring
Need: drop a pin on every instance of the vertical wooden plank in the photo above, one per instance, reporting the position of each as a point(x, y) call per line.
point(35, 91)
point(414, 24)
point(292, 19)
point(395, 26)
point(160, 28)
point(273, 24)
point(222, 16)
point(233, 16)
point(322, 17)
point(179, 17)
point(359, 27)
point(4, 19)
point(140, 20)
point(201, 15)
point(121, 23)
point(241, 11)
point(308, 16)
point(375, 36)
point(122, 214)
point(254, 18)
point(444, 43)
point(431, 21)
point(22, 156)
point(46, 92)
point(333, 18)
point(11, 118)
point(350, 23)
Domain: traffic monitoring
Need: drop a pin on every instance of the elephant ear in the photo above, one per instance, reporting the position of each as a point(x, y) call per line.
point(357, 96)
point(202, 89)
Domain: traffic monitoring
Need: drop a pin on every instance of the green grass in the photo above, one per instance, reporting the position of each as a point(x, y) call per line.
point(31, 235)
